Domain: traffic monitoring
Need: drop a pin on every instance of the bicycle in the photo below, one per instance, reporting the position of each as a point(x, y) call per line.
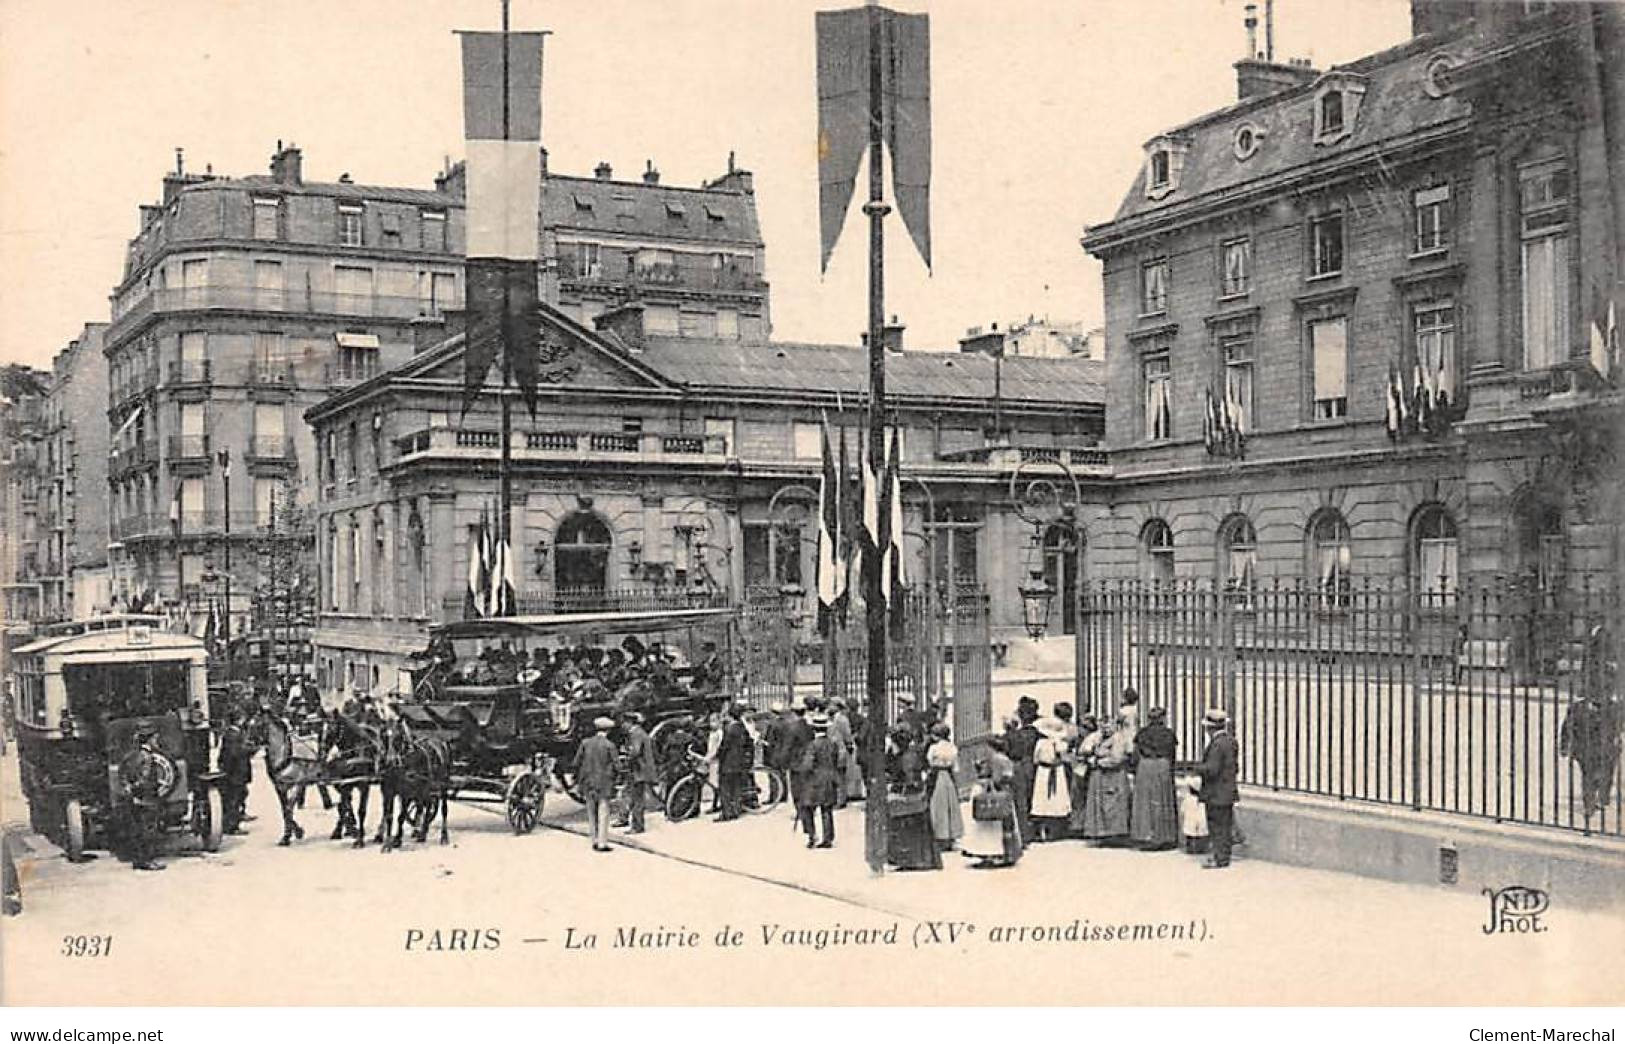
point(694, 791)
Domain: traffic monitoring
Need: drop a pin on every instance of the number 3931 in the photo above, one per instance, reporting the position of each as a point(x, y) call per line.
point(87, 945)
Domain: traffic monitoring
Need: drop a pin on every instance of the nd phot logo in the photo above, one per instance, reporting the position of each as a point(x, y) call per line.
point(1515, 910)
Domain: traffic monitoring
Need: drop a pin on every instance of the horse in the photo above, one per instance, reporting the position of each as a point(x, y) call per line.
point(292, 762)
point(351, 753)
point(418, 773)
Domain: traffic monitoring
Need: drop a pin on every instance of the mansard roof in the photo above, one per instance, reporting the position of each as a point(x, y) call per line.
point(639, 210)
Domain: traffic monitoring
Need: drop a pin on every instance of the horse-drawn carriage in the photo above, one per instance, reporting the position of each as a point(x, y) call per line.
point(508, 737)
point(88, 692)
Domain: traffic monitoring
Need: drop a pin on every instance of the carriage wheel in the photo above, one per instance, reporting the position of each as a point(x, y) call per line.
point(526, 795)
point(213, 826)
point(684, 799)
point(73, 836)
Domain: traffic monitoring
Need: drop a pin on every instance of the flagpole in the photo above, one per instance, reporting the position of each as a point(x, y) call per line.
point(875, 817)
point(505, 465)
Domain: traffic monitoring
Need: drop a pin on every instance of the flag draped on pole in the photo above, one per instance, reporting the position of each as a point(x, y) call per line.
point(1604, 332)
point(829, 535)
point(847, 496)
point(502, 122)
point(843, 116)
point(479, 568)
point(1396, 402)
point(893, 578)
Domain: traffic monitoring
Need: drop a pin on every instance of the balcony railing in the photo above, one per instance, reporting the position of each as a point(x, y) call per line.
point(542, 445)
point(618, 270)
point(188, 447)
point(271, 375)
point(254, 299)
point(189, 371)
point(270, 447)
point(134, 455)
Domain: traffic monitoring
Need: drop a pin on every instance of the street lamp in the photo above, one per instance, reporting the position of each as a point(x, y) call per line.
point(1041, 504)
point(1036, 595)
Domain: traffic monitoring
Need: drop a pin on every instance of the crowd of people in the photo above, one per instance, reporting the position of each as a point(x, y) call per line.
point(1107, 780)
point(582, 672)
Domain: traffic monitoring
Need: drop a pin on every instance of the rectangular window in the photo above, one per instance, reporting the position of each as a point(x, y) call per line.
point(349, 225)
point(727, 324)
point(389, 226)
point(268, 421)
point(434, 230)
point(1238, 380)
point(1154, 287)
point(194, 347)
point(1326, 245)
point(662, 320)
point(1328, 342)
point(1432, 207)
point(264, 498)
point(1544, 201)
point(589, 259)
point(1158, 397)
point(719, 432)
point(268, 285)
point(352, 288)
point(439, 293)
point(267, 223)
point(1236, 274)
point(1435, 327)
point(1331, 112)
point(194, 282)
point(808, 440)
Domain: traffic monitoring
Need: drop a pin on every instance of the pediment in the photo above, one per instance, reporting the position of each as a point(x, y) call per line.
point(568, 355)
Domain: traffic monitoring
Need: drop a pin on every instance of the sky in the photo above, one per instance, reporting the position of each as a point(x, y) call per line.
point(1039, 111)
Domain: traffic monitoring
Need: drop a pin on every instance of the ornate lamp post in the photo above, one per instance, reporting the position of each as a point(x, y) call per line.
point(1041, 503)
point(792, 610)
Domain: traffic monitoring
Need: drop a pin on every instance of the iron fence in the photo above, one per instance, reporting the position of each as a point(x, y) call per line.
point(1499, 700)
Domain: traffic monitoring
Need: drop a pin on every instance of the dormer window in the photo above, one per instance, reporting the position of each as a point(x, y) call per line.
point(1159, 169)
point(1165, 159)
point(1331, 112)
point(1337, 106)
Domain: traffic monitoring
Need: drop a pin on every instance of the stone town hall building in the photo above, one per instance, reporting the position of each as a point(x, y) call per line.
point(1449, 206)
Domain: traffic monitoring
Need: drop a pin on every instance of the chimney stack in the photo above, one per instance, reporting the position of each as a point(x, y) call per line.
point(651, 176)
point(287, 166)
point(736, 180)
point(891, 335)
point(1257, 76)
point(454, 182)
point(603, 172)
point(1251, 21)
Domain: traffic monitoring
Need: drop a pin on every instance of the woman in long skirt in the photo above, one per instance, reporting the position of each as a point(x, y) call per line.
point(1052, 798)
point(1106, 811)
point(1154, 823)
point(947, 824)
point(994, 842)
point(1082, 752)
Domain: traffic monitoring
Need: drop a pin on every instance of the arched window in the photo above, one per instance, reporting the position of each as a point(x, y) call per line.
point(1329, 557)
point(1061, 572)
point(1434, 556)
point(581, 555)
point(1542, 545)
point(1238, 556)
point(1157, 552)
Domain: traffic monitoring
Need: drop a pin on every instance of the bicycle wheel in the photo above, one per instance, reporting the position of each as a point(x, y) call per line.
point(768, 790)
point(684, 799)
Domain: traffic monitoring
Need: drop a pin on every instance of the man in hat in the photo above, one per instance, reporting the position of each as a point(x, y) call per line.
point(823, 765)
point(236, 771)
point(1023, 740)
point(1218, 793)
point(797, 735)
point(595, 778)
point(640, 759)
point(141, 774)
point(708, 673)
point(735, 757)
point(772, 727)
